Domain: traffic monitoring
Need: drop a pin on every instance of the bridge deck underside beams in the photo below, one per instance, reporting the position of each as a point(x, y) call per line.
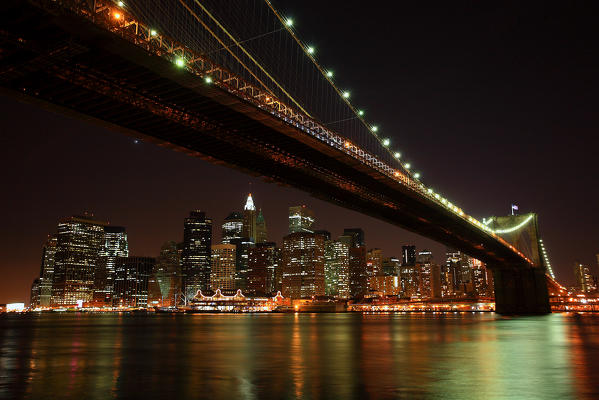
point(95, 74)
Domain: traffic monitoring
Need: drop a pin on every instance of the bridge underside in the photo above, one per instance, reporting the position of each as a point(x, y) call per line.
point(66, 63)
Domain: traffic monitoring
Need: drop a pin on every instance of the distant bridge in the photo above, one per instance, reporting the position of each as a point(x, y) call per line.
point(103, 61)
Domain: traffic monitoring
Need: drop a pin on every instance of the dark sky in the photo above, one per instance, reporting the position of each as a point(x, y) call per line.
point(494, 103)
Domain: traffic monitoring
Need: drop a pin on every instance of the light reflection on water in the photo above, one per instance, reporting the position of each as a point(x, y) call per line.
point(329, 356)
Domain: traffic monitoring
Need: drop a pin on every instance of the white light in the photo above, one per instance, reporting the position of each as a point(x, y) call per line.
point(289, 22)
point(397, 154)
point(417, 175)
point(180, 62)
point(120, 3)
point(346, 94)
point(407, 166)
point(386, 142)
point(208, 79)
point(374, 128)
point(310, 50)
point(153, 32)
point(330, 74)
point(360, 113)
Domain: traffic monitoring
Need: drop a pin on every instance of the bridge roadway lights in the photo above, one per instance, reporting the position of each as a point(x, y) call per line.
point(520, 290)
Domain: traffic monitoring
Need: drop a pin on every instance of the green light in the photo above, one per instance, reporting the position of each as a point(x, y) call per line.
point(208, 79)
point(179, 62)
point(310, 50)
point(329, 74)
point(289, 22)
point(346, 94)
point(360, 113)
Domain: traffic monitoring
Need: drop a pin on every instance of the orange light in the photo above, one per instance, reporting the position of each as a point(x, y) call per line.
point(117, 15)
point(396, 173)
point(347, 144)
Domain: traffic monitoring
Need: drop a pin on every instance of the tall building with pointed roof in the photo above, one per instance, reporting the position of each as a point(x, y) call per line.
point(249, 219)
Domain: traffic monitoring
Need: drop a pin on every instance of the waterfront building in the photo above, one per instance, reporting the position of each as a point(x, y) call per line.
point(409, 278)
point(195, 257)
point(47, 271)
point(262, 264)
point(261, 232)
point(301, 219)
point(249, 220)
point(584, 278)
point(115, 245)
point(167, 275)
point(456, 274)
point(232, 227)
point(34, 299)
point(132, 275)
point(424, 263)
point(387, 285)
point(303, 265)
point(80, 240)
point(222, 275)
point(336, 268)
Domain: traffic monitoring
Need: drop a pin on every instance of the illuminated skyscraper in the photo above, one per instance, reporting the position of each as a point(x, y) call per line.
point(408, 255)
point(336, 268)
point(374, 267)
point(262, 263)
point(34, 299)
point(424, 264)
point(232, 227)
point(132, 275)
point(301, 219)
point(249, 220)
point(167, 274)
point(80, 239)
point(584, 278)
point(303, 265)
point(195, 258)
point(261, 232)
point(223, 268)
point(47, 271)
point(391, 266)
point(115, 245)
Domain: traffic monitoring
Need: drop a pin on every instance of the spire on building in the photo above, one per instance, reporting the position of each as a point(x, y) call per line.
point(249, 204)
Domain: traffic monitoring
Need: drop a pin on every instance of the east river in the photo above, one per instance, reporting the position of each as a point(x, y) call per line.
point(307, 356)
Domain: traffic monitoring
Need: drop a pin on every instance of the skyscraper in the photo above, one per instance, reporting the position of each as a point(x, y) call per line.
point(303, 265)
point(167, 274)
point(357, 234)
point(232, 227)
point(424, 264)
point(47, 271)
point(262, 262)
point(261, 232)
point(336, 268)
point(132, 275)
point(584, 278)
point(115, 245)
point(301, 219)
point(195, 258)
point(79, 242)
point(408, 255)
point(222, 275)
point(374, 267)
point(249, 219)
point(358, 276)
point(34, 299)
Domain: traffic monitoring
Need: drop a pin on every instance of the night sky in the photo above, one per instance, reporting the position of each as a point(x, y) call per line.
point(494, 104)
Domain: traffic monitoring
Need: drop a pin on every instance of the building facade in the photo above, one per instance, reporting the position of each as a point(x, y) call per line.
point(301, 219)
point(195, 257)
point(132, 275)
point(262, 264)
point(222, 275)
point(303, 265)
point(116, 245)
point(336, 269)
point(47, 271)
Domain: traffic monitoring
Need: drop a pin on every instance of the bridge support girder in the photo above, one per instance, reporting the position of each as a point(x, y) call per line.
point(520, 291)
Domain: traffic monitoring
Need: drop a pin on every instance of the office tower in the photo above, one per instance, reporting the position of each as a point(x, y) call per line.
point(261, 232)
point(357, 235)
point(34, 300)
point(278, 270)
point(115, 245)
point(47, 271)
point(374, 267)
point(80, 239)
point(262, 263)
point(222, 275)
point(131, 278)
point(408, 255)
point(301, 219)
point(455, 274)
point(232, 227)
point(391, 266)
point(336, 268)
point(424, 262)
point(249, 220)
point(435, 281)
point(584, 278)
point(195, 258)
point(358, 276)
point(303, 265)
point(167, 274)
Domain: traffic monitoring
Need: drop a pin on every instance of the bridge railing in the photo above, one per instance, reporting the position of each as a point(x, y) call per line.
point(113, 18)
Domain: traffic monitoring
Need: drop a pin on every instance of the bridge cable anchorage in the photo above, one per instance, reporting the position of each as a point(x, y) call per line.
point(238, 44)
point(344, 94)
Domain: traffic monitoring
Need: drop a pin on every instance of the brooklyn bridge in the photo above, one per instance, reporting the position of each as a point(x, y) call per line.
point(233, 83)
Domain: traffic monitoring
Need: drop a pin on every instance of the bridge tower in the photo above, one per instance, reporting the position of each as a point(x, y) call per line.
point(521, 289)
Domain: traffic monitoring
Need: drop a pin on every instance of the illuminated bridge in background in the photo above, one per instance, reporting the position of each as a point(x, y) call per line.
point(232, 83)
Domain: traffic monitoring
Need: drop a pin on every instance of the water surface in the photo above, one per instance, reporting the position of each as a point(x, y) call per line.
point(308, 356)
